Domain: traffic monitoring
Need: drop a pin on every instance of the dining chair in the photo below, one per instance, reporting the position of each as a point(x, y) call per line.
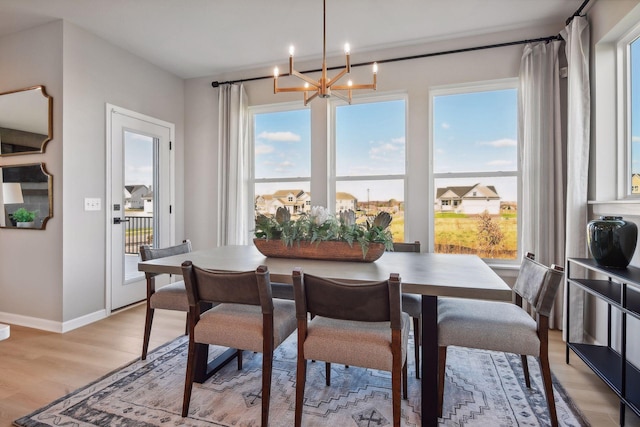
point(502, 326)
point(246, 317)
point(351, 324)
point(412, 304)
point(169, 297)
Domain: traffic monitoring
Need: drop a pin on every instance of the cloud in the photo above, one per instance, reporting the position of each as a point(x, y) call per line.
point(284, 166)
point(399, 140)
point(280, 136)
point(263, 149)
point(500, 163)
point(445, 125)
point(504, 142)
point(635, 139)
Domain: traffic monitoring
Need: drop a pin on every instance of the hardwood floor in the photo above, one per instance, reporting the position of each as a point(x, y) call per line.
point(38, 367)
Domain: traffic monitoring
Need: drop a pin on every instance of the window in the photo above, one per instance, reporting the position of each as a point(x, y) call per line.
point(633, 114)
point(282, 159)
point(369, 158)
point(475, 163)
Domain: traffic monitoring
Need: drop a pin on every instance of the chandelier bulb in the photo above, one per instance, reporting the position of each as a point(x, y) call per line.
point(375, 68)
point(347, 48)
point(349, 83)
point(276, 72)
point(291, 50)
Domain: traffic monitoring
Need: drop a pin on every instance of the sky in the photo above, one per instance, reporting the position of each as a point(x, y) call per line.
point(635, 106)
point(138, 152)
point(472, 132)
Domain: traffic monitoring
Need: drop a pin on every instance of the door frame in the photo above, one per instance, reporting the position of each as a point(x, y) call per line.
point(109, 108)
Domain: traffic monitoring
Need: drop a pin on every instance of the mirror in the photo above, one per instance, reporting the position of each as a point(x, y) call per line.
point(26, 121)
point(26, 198)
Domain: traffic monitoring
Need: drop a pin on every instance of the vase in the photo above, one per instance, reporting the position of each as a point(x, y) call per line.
point(612, 241)
point(324, 250)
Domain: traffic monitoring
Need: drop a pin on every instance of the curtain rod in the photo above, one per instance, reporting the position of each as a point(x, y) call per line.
point(425, 55)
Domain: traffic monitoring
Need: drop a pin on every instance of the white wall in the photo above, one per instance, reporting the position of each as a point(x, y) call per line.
point(31, 261)
point(55, 279)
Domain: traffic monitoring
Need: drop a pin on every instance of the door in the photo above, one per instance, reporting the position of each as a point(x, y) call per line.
point(141, 193)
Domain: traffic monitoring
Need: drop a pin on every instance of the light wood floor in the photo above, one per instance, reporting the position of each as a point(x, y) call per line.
point(38, 367)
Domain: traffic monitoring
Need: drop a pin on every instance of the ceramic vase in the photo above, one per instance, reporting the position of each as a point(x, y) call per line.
point(612, 241)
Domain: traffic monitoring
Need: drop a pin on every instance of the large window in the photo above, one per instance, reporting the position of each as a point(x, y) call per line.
point(282, 159)
point(370, 159)
point(476, 170)
point(633, 117)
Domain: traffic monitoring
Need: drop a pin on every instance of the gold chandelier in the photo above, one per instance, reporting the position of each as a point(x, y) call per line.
point(325, 87)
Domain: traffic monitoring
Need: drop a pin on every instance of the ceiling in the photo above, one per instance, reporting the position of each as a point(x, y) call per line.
point(195, 38)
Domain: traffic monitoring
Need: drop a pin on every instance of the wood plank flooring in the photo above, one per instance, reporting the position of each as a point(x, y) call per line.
point(38, 367)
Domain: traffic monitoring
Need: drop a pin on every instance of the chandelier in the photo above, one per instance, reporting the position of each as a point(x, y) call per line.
point(325, 87)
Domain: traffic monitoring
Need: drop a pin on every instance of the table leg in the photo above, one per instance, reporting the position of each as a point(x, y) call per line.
point(429, 380)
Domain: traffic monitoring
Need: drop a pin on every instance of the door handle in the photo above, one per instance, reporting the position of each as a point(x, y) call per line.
point(119, 220)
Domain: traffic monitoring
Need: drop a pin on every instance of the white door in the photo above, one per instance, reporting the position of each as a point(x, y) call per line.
point(140, 198)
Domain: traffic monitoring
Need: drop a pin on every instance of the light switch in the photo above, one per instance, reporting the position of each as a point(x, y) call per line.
point(92, 204)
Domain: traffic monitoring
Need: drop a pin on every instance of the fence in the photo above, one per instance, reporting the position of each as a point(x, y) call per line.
point(139, 231)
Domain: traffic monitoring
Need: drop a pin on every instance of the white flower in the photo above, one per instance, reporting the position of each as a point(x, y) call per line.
point(319, 214)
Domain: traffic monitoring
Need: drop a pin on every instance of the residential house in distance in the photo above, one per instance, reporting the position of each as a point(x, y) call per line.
point(471, 200)
point(134, 196)
point(298, 202)
point(635, 183)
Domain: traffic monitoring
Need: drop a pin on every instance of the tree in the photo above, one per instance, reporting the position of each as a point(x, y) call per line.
point(489, 234)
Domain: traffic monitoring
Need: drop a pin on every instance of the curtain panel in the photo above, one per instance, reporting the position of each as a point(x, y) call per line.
point(233, 165)
point(542, 156)
point(576, 35)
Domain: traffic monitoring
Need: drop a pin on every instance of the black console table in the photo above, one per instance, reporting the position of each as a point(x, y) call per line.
point(621, 291)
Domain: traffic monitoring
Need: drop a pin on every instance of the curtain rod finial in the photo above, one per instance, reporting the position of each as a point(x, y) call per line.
point(215, 84)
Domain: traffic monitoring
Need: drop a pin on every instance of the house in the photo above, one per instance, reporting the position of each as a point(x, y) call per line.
point(298, 201)
point(135, 195)
point(471, 200)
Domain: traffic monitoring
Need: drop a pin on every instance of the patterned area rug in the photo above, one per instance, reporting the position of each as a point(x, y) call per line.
point(483, 389)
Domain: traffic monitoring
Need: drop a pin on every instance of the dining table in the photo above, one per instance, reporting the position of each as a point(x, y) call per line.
point(431, 275)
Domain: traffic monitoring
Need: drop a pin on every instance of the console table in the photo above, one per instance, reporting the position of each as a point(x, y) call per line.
point(621, 291)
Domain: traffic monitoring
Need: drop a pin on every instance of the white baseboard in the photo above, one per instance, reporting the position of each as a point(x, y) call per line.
point(51, 325)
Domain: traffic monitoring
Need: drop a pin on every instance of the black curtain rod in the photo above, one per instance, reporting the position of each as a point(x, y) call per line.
point(403, 58)
point(425, 55)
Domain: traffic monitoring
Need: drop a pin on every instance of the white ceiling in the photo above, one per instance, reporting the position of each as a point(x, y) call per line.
point(195, 38)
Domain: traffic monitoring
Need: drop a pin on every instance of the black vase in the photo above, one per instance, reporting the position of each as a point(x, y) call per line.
point(612, 241)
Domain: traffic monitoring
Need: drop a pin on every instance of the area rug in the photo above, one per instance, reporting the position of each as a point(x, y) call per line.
point(483, 389)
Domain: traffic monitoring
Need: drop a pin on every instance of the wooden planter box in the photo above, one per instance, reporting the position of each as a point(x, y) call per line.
point(328, 251)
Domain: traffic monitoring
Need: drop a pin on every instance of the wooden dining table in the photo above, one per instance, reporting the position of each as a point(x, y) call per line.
point(427, 274)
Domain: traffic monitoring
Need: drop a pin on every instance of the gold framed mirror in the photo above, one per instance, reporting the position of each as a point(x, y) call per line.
point(26, 121)
point(26, 198)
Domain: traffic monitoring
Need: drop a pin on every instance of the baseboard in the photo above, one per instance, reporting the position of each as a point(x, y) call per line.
point(51, 325)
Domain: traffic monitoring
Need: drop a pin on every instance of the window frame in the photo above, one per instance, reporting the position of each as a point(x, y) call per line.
point(463, 88)
point(252, 180)
point(624, 120)
point(332, 124)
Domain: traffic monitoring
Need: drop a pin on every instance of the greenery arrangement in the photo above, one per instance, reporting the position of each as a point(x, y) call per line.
point(320, 225)
point(23, 215)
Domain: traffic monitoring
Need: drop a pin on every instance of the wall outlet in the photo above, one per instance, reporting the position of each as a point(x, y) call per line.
point(92, 204)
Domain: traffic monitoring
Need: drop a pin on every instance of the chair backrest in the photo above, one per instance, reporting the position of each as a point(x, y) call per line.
point(406, 246)
point(209, 286)
point(366, 302)
point(148, 253)
point(538, 284)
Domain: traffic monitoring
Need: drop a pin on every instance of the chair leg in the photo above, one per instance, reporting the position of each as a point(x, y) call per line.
point(396, 380)
point(300, 383)
point(327, 370)
point(239, 356)
point(147, 330)
point(189, 377)
point(186, 326)
point(405, 385)
point(442, 365)
point(525, 369)
point(416, 342)
point(267, 368)
point(548, 388)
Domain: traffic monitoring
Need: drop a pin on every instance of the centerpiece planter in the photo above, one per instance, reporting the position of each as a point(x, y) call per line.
point(320, 250)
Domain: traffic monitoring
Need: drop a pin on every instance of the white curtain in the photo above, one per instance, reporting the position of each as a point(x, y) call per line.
point(576, 35)
point(542, 156)
point(233, 165)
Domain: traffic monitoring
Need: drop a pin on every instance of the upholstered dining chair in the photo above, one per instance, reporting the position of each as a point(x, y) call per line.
point(170, 297)
point(502, 326)
point(412, 304)
point(351, 324)
point(246, 317)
